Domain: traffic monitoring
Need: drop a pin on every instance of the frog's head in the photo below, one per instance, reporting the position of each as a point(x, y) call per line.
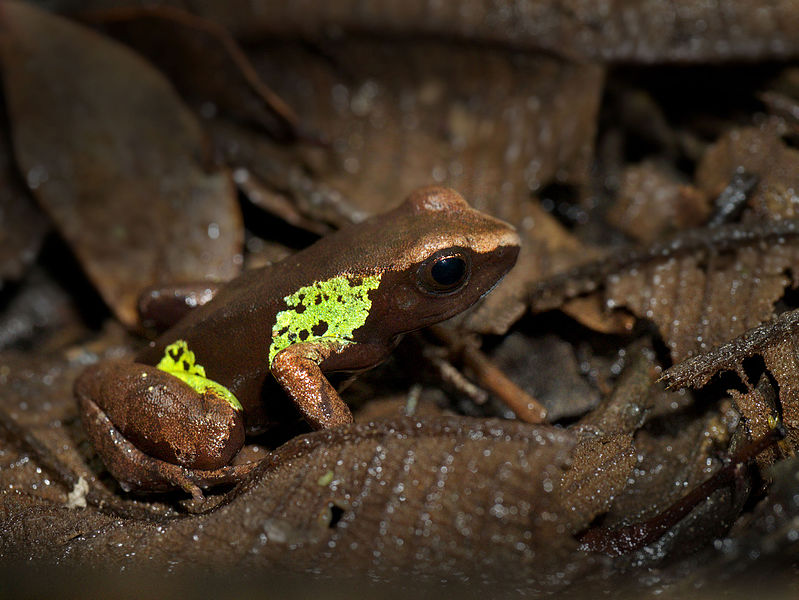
point(437, 257)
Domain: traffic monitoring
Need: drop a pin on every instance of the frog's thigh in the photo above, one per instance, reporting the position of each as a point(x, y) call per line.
point(162, 416)
point(131, 467)
point(136, 470)
point(297, 370)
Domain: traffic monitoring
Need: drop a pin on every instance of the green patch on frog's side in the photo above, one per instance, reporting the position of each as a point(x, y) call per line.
point(180, 362)
point(326, 309)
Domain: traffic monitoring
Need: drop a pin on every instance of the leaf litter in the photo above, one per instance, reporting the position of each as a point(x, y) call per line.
point(469, 498)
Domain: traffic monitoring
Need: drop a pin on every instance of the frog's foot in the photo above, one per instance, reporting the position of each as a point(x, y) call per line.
point(297, 370)
point(155, 433)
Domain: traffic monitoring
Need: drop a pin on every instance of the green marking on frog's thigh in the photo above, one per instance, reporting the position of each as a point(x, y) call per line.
point(325, 309)
point(180, 362)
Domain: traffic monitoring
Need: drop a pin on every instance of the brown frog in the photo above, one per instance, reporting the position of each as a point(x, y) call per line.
point(177, 415)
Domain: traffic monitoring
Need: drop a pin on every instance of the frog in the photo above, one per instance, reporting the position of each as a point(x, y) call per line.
point(176, 415)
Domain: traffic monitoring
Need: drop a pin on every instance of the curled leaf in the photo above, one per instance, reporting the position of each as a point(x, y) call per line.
point(701, 287)
point(776, 341)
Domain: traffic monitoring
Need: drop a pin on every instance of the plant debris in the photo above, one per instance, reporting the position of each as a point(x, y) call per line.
point(604, 421)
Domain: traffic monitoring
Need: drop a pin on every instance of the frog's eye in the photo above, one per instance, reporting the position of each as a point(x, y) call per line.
point(445, 272)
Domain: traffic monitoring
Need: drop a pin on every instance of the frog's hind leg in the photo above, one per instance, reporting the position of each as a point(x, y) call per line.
point(154, 432)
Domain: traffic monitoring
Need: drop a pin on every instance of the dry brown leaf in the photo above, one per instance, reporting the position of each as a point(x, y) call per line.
point(700, 301)
point(400, 115)
point(602, 468)
point(115, 158)
point(701, 293)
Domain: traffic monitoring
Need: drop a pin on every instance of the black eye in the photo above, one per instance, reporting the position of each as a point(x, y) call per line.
point(445, 272)
point(448, 271)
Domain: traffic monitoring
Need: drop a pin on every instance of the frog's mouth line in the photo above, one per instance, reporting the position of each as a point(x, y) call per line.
point(496, 283)
point(503, 248)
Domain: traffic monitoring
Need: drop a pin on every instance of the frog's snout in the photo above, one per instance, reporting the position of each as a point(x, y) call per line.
point(506, 254)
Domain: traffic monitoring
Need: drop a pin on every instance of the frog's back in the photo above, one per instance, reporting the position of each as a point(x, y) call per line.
point(230, 335)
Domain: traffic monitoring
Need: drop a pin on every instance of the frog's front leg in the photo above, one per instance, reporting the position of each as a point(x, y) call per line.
point(298, 370)
point(155, 432)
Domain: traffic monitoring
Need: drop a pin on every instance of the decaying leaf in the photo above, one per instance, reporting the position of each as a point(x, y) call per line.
point(604, 465)
point(203, 60)
point(21, 226)
point(653, 201)
point(428, 497)
point(776, 342)
point(446, 128)
point(704, 287)
point(408, 493)
point(605, 455)
point(624, 30)
point(560, 387)
point(759, 412)
point(760, 152)
point(115, 158)
point(700, 288)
